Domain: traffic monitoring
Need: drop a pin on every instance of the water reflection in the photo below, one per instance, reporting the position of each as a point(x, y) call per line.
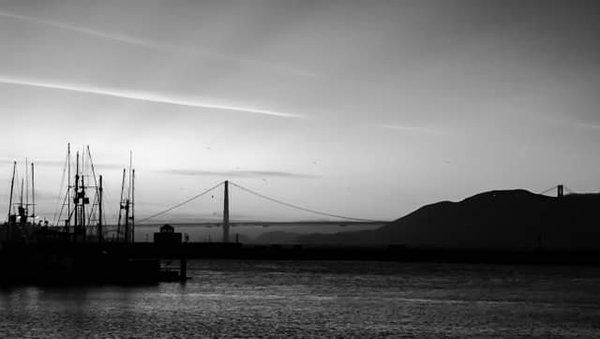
point(286, 298)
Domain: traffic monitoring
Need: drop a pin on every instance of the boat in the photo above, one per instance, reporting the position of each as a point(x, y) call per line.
point(78, 246)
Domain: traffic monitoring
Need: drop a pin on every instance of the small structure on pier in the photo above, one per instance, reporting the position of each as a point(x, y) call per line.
point(167, 236)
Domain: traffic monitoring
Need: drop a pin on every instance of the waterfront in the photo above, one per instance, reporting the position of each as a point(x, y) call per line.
point(319, 298)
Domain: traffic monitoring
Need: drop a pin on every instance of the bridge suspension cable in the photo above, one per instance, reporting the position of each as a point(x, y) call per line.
point(181, 203)
point(299, 207)
point(549, 189)
point(555, 187)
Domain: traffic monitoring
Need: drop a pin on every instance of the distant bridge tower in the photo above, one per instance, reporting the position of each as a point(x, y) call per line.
point(560, 191)
point(226, 213)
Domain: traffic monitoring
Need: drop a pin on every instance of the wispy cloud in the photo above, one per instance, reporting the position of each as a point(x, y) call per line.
point(589, 126)
point(143, 96)
point(570, 123)
point(409, 128)
point(162, 47)
point(78, 29)
point(239, 173)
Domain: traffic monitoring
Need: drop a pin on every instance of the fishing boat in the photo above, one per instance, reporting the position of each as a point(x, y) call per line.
point(77, 247)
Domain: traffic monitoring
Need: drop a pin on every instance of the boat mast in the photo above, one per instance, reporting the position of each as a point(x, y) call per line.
point(33, 191)
point(68, 220)
point(21, 198)
point(100, 234)
point(12, 186)
point(130, 178)
point(76, 199)
point(10, 201)
point(132, 205)
point(98, 197)
point(128, 203)
point(83, 197)
point(26, 187)
point(121, 204)
point(127, 229)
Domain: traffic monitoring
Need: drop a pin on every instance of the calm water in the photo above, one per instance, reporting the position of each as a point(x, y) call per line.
point(288, 298)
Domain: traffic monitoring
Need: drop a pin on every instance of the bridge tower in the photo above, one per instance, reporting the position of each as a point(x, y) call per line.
point(560, 191)
point(226, 213)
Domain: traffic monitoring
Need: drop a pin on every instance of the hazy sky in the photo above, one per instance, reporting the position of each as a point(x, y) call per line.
point(362, 108)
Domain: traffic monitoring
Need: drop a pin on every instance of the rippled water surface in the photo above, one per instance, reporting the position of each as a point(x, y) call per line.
point(294, 298)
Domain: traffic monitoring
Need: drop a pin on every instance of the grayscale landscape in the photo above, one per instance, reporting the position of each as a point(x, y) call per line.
point(299, 168)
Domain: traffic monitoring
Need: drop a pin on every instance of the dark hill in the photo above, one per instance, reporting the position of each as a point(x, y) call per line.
point(515, 219)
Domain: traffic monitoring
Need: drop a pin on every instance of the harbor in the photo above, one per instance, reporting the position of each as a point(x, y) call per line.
point(82, 249)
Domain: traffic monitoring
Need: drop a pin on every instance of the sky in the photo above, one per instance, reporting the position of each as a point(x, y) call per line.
point(368, 109)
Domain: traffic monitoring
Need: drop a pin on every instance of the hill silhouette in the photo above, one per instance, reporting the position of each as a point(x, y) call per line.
point(508, 219)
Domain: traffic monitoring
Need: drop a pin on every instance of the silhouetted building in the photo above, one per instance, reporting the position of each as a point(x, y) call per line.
point(167, 236)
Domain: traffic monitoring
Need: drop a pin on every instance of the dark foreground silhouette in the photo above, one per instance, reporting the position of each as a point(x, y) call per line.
point(67, 263)
point(494, 227)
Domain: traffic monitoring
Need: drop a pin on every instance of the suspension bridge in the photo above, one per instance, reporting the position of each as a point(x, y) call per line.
point(560, 190)
point(226, 222)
